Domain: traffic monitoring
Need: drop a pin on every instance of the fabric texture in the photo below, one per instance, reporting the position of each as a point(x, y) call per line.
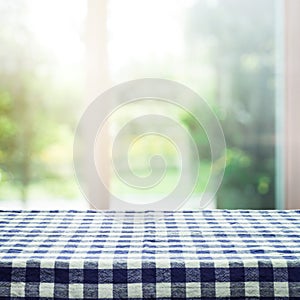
point(218, 254)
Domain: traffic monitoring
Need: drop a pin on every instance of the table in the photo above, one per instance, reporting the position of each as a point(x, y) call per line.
point(217, 254)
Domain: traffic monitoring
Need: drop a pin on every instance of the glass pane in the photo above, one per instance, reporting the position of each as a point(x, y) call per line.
point(41, 78)
point(227, 51)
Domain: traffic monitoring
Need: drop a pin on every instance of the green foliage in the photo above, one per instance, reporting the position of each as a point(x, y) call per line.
point(35, 130)
point(240, 36)
point(245, 185)
point(198, 133)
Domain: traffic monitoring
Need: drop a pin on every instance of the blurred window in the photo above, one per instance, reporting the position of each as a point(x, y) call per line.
point(228, 51)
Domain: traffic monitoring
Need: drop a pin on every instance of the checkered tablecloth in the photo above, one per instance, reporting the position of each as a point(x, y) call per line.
point(216, 254)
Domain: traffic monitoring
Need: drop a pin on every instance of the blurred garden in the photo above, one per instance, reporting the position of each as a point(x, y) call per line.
point(224, 50)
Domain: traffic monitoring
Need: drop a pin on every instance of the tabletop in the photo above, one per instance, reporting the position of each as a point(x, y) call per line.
point(209, 254)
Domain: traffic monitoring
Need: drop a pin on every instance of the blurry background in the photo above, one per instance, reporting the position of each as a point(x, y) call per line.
point(229, 52)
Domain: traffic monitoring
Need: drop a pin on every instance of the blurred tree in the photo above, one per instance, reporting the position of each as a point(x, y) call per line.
point(240, 35)
point(13, 56)
point(21, 99)
point(32, 113)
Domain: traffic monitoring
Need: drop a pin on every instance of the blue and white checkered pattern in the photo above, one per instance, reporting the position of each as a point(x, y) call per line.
point(216, 254)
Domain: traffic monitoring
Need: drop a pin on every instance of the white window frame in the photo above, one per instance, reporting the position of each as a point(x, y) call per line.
point(292, 104)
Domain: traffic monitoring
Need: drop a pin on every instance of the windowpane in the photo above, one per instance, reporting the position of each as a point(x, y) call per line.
point(228, 51)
